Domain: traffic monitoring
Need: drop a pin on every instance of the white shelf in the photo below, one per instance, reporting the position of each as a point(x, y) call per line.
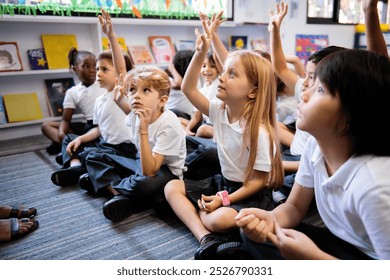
point(35, 72)
point(93, 20)
point(26, 30)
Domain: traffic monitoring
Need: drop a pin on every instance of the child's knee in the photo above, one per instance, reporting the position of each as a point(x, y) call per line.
point(174, 187)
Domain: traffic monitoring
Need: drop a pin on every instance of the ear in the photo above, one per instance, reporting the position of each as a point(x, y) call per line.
point(163, 100)
point(252, 94)
point(74, 68)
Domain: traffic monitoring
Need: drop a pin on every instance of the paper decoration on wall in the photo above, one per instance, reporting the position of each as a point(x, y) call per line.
point(308, 44)
point(57, 47)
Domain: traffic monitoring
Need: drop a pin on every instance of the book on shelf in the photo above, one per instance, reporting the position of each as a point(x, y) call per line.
point(121, 41)
point(3, 117)
point(185, 45)
point(162, 48)
point(10, 57)
point(140, 54)
point(55, 93)
point(260, 44)
point(57, 47)
point(37, 59)
point(238, 42)
point(22, 107)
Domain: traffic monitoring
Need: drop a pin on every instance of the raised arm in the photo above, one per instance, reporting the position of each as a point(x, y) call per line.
point(117, 55)
point(217, 45)
point(375, 40)
point(190, 80)
point(278, 59)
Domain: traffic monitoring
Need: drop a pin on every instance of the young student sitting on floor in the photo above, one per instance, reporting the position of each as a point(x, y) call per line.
point(79, 97)
point(111, 133)
point(199, 125)
point(343, 167)
point(157, 133)
point(245, 132)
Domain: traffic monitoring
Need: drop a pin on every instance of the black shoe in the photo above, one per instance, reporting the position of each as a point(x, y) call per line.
point(85, 183)
point(118, 208)
point(59, 159)
point(68, 176)
point(53, 149)
point(233, 251)
point(207, 249)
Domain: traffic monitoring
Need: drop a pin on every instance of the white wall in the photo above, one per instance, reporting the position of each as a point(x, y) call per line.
point(293, 24)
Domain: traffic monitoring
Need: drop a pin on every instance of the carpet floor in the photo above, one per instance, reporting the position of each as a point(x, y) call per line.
point(71, 222)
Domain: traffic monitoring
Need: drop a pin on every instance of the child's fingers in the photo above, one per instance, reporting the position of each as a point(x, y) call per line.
point(273, 238)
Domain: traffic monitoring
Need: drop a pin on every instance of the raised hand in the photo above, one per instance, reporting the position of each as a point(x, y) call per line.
point(216, 21)
point(119, 91)
point(203, 41)
point(105, 22)
point(276, 19)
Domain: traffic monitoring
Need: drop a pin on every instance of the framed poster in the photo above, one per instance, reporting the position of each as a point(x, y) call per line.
point(10, 57)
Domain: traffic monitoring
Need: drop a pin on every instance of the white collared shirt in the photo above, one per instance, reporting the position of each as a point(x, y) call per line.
point(354, 203)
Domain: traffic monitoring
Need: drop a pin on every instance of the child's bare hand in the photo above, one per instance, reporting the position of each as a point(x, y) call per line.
point(119, 90)
point(209, 203)
point(105, 22)
point(73, 146)
point(203, 41)
point(255, 223)
point(276, 19)
point(145, 116)
point(216, 22)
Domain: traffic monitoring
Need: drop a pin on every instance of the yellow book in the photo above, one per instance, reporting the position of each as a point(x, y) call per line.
point(121, 41)
point(22, 107)
point(57, 47)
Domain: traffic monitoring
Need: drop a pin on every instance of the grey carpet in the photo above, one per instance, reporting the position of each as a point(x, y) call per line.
point(72, 225)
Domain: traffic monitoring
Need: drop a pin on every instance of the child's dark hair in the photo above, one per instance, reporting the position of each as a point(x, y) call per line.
point(7, 54)
point(75, 56)
point(210, 56)
point(361, 80)
point(319, 55)
point(181, 60)
point(108, 55)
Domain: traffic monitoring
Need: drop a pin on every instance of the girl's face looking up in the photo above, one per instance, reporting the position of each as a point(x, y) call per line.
point(209, 71)
point(234, 85)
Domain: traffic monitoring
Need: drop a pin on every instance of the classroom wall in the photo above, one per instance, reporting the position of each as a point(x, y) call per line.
point(295, 23)
point(256, 11)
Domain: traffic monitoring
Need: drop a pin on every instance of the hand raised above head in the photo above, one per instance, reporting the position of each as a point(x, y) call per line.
point(105, 22)
point(276, 18)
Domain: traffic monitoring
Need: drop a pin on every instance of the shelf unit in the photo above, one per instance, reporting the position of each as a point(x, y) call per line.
point(27, 30)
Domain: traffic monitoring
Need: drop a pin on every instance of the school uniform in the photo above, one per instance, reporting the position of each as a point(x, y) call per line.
point(352, 203)
point(233, 157)
point(166, 137)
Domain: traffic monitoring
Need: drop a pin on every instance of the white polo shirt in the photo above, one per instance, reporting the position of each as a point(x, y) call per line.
point(232, 154)
point(83, 98)
point(354, 203)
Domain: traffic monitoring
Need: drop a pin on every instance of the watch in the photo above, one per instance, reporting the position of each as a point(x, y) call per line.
point(224, 195)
